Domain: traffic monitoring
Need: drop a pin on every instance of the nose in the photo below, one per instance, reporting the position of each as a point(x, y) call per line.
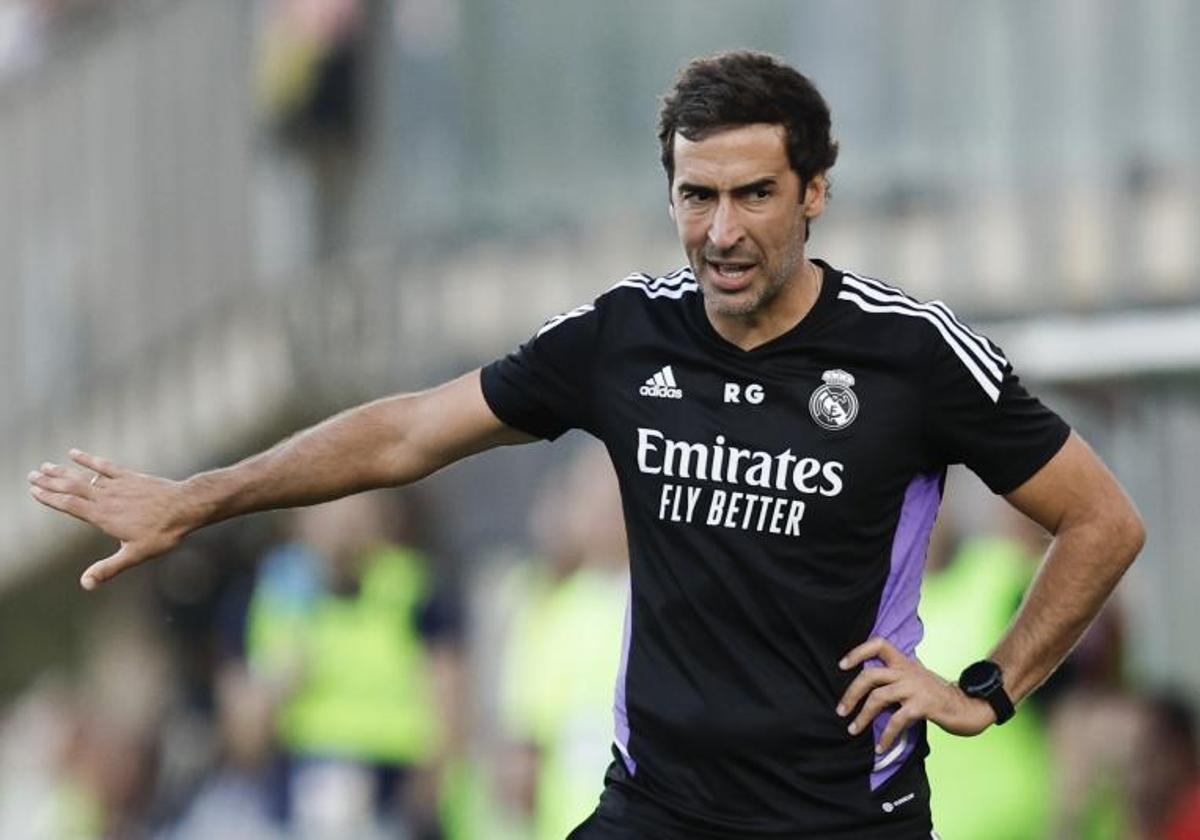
point(725, 230)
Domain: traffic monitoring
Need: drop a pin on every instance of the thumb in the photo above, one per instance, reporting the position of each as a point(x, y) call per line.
point(109, 567)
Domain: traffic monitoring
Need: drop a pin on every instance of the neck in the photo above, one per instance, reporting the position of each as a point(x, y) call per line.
point(783, 312)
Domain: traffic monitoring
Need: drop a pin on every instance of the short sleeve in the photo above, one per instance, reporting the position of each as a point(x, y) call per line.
point(980, 415)
point(545, 386)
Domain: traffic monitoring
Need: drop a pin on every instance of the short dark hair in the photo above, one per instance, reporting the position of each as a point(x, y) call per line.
point(742, 88)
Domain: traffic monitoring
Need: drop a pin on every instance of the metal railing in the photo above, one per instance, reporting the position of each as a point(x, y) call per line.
point(124, 235)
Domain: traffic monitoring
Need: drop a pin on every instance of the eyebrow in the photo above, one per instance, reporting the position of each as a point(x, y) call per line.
point(754, 186)
point(740, 190)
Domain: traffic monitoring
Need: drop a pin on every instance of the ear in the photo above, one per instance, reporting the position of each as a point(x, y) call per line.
point(814, 195)
point(671, 209)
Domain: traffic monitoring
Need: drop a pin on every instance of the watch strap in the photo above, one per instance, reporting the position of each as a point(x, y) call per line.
point(984, 680)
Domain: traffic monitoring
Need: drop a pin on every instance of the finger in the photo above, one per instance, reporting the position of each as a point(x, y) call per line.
point(109, 567)
point(900, 721)
point(66, 502)
point(875, 647)
point(54, 469)
point(867, 679)
point(876, 702)
point(95, 463)
point(60, 481)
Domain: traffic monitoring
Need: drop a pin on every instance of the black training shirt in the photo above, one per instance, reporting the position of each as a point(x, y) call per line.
point(778, 504)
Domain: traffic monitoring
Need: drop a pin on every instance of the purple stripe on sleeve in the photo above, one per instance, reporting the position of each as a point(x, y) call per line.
point(620, 715)
point(897, 620)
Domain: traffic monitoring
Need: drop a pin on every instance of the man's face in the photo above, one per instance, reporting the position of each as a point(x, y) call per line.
point(737, 205)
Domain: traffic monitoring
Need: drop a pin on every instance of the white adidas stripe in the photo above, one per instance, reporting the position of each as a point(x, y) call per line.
point(675, 293)
point(683, 273)
point(674, 285)
point(566, 316)
point(970, 341)
point(660, 380)
point(669, 375)
point(981, 340)
point(989, 387)
point(974, 339)
point(669, 281)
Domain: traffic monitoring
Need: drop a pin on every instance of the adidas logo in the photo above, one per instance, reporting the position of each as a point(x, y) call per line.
point(662, 384)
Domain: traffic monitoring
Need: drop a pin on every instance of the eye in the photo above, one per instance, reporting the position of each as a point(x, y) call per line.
point(695, 196)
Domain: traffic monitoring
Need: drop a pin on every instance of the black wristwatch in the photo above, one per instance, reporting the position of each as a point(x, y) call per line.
point(984, 680)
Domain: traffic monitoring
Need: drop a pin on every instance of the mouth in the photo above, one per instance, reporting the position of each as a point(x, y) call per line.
point(730, 276)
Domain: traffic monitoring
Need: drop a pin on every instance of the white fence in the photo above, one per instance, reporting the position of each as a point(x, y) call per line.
point(124, 238)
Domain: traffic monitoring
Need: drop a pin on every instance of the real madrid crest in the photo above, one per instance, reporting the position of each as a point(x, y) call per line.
point(834, 405)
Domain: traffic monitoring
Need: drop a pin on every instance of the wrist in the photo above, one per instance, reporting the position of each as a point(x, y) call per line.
point(201, 501)
point(980, 708)
point(984, 681)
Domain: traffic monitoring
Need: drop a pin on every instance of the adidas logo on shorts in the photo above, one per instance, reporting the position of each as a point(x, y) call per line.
point(662, 384)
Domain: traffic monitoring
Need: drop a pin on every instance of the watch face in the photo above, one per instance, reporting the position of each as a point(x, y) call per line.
point(980, 678)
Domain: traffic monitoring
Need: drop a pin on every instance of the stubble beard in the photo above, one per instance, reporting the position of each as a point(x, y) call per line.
point(777, 279)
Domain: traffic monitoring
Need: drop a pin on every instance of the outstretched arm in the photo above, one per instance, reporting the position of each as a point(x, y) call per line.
point(1097, 534)
point(391, 441)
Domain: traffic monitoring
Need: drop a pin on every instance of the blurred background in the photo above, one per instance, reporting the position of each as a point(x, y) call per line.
point(223, 219)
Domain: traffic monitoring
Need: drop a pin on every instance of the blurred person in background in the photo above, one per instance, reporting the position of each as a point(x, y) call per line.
point(970, 592)
point(1166, 770)
point(79, 759)
point(358, 640)
point(1095, 737)
point(561, 657)
point(44, 793)
point(234, 799)
point(1129, 766)
point(311, 86)
point(22, 33)
point(775, 546)
point(1095, 720)
point(28, 27)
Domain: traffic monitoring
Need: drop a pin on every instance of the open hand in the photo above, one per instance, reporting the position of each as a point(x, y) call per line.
point(907, 684)
point(146, 513)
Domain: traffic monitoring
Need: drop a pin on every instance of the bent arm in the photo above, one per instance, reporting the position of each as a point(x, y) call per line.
point(391, 441)
point(1097, 534)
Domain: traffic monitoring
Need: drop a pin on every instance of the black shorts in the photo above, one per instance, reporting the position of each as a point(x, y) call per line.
point(602, 827)
point(624, 815)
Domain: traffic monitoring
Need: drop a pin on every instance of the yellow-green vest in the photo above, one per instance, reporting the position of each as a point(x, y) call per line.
point(560, 672)
point(365, 689)
point(997, 785)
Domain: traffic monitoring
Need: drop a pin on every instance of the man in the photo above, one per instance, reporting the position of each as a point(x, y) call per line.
point(359, 643)
point(775, 548)
point(561, 649)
